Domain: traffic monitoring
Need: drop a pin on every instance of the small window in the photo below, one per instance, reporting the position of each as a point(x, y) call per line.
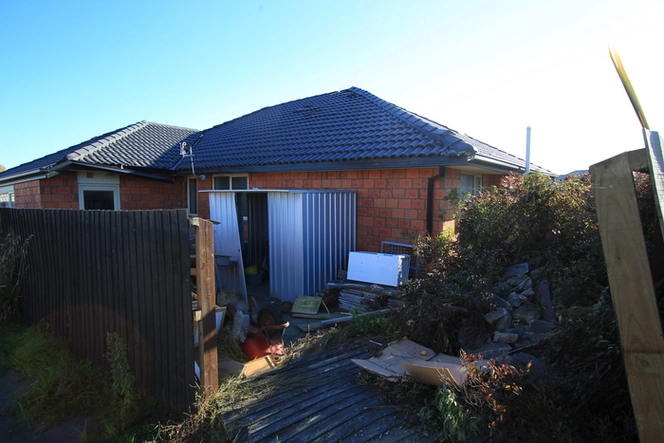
point(230, 182)
point(192, 196)
point(96, 199)
point(470, 184)
point(7, 200)
point(98, 191)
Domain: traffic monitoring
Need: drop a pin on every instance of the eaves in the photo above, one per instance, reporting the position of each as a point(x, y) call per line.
point(386, 163)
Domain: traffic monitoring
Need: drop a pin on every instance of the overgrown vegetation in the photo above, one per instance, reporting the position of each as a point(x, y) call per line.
point(62, 386)
point(552, 226)
point(125, 399)
point(13, 253)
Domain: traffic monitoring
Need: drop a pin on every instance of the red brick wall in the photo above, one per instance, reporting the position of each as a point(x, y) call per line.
point(61, 192)
point(27, 195)
point(391, 203)
point(138, 193)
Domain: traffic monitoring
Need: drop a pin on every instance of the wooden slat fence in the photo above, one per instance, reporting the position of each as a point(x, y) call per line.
point(94, 272)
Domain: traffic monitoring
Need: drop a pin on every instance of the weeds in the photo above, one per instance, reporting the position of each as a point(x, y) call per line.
point(13, 254)
point(11, 333)
point(124, 396)
point(454, 417)
point(62, 386)
point(57, 390)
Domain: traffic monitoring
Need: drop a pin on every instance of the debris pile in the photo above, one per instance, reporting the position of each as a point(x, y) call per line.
point(520, 314)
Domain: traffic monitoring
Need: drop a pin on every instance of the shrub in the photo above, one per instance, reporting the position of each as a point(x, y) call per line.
point(550, 224)
point(431, 313)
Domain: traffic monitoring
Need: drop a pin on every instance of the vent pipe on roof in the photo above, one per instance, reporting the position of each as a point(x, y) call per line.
point(528, 149)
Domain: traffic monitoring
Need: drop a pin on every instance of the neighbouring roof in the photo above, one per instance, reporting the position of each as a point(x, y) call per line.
point(351, 126)
point(143, 145)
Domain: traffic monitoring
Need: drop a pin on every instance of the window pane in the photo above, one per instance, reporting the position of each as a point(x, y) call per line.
point(98, 200)
point(466, 185)
point(222, 182)
point(193, 197)
point(470, 184)
point(240, 182)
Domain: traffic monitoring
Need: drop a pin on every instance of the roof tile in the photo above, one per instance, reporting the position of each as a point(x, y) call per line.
point(348, 125)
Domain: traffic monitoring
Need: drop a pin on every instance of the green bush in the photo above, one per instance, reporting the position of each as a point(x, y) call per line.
point(550, 224)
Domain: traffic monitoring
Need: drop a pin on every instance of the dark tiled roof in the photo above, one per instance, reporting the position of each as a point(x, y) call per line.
point(141, 145)
point(349, 125)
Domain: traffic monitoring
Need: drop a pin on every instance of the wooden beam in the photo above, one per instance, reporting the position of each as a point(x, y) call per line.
point(205, 290)
point(632, 289)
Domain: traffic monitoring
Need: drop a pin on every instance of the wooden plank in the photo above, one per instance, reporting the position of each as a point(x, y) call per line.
point(632, 291)
point(206, 302)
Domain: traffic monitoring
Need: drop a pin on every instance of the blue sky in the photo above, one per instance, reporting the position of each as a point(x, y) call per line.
point(71, 70)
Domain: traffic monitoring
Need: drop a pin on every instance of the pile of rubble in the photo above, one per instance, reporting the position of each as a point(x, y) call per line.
point(520, 315)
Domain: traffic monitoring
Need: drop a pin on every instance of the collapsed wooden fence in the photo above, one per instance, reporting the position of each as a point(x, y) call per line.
point(94, 272)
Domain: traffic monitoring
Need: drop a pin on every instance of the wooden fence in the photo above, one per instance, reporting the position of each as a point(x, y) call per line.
point(94, 272)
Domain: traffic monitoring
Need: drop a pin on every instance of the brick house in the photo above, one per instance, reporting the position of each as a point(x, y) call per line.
point(400, 165)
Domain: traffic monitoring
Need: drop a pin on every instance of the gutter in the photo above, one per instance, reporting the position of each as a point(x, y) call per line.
point(431, 181)
point(132, 172)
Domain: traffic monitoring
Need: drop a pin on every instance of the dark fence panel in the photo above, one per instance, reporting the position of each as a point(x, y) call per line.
point(94, 272)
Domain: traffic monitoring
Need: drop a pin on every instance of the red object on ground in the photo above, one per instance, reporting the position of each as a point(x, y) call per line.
point(257, 345)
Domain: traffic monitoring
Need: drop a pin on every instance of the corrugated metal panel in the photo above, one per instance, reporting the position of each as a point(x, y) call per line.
point(286, 245)
point(227, 240)
point(329, 236)
point(310, 234)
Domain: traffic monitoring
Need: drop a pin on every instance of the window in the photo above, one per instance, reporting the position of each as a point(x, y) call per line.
point(470, 185)
point(7, 200)
point(230, 182)
point(7, 197)
point(192, 196)
point(98, 190)
point(98, 199)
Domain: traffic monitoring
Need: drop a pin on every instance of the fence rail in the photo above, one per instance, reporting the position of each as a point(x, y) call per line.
point(94, 272)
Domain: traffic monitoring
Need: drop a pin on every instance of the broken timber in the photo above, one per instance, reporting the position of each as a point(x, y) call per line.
point(630, 279)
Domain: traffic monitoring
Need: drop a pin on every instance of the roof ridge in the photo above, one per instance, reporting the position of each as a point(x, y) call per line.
point(169, 126)
point(264, 108)
point(109, 138)
point(426, 126)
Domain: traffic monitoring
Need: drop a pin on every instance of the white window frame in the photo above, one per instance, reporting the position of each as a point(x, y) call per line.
point(7, 197)
point(98, 181)
point(476, 188)
point(230, 176)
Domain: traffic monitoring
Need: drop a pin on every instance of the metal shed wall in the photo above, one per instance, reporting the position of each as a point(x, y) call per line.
point(227, 240)
point(310, 235)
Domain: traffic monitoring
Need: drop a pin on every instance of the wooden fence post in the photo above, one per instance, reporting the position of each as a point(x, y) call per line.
point(205, 289)
point(632, 288)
